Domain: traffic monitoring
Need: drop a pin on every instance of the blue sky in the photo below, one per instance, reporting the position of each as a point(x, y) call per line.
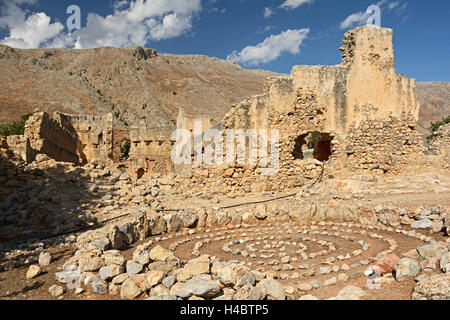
point(266, 34)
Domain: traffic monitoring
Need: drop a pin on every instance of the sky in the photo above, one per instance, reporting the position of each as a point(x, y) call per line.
point(262, 34)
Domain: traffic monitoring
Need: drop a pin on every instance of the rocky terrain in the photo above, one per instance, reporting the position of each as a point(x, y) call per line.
point(132, 83)
point(363, 237)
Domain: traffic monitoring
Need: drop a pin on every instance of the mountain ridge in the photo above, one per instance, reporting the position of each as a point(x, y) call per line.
point(137, 83)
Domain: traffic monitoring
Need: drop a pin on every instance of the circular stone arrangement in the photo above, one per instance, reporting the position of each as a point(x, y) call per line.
point(320, 253)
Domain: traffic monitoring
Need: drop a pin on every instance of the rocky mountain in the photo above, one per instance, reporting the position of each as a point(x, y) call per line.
point(133, 83)
point(136, 83)
point(434, 100)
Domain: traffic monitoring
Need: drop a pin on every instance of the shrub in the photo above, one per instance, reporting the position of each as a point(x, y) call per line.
point(436, 125)
point(15, 128)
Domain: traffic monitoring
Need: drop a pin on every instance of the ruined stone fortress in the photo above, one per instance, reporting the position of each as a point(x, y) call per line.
point(359, 115)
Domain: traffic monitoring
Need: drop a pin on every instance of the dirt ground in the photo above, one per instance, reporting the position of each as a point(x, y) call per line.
point(14, 286)
point(416, 192)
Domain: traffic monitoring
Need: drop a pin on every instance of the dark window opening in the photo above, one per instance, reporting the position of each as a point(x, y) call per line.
point(140, 173)
point(313, 145)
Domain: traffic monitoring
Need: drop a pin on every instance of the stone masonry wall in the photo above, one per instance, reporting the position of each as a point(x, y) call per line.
point(150, 151)
point(95, 135)
point(46, 136)
point(440, 144)
point(363, 111)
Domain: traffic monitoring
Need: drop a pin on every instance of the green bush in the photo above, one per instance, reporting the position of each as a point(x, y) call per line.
point(436, 125)
point(14, 128)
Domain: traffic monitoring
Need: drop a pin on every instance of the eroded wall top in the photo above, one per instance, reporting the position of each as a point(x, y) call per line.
point(365, 86)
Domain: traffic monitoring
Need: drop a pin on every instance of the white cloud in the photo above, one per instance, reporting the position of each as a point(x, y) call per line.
point(268, 12)
point(294, 4)
point(118, 4)
point(132, 23)
point(393, 5)
point(271, 48)
point(360, 18)
point(357, 18)
point(26, 32)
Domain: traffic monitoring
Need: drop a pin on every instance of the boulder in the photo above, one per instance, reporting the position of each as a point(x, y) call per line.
point(102, 244)
point(142, 257)
point(114, 257)
point(99, 286)
point(120, 278)
point(111, 271)
point(444, 263)
point(154, 277)
point(437, 226)
point(159, 291)
point(386, 264)
point(129, 290)
point(90, 264)
point(44, 259)
point(224, 273)
point(433, 287)
point(33, 271)
point(421, 224)
point(156, 224)
point(198, 266)
point(158, 253)
point(433, 250)
point(67, 277)
point(56, 291)
point(407, 267)
point(174, 222)
point(134, 267)
point(198, 287)
point(169, 281)
point(272, 289)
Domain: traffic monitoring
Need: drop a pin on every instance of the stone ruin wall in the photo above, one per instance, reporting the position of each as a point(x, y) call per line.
point(18, 145)
point(94, 134)
point(151, 148)
point(439, 144)
point(46, 136)
point(81, 139)
point(363, 106)
point(150, 151)
point(365, 109)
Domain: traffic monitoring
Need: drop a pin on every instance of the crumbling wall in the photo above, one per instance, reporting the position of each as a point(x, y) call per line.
point(362, 110)
point(94, 133)
point(380, 146)
point(365, 85)
point(439, 143)
point(187, 122)
point(150, 151)
point(19, 146)
point(46, 136)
